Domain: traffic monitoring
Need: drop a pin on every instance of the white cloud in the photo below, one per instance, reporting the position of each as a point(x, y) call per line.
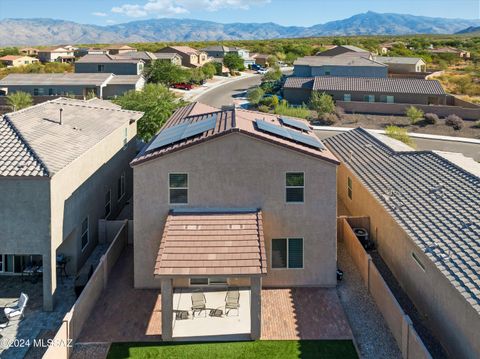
point(163, 8)
point(110, 22)
point(101, 14)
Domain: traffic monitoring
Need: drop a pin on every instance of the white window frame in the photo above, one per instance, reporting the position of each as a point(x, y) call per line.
point(390, 97)
point(288, 240)
point(187, 188)
point(87, 232)
point(209, 282)
point(345, 95)
point(286, 187)
point(122, 186)
point(109, 191)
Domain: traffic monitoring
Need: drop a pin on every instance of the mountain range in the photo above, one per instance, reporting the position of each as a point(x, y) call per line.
point(49, 31)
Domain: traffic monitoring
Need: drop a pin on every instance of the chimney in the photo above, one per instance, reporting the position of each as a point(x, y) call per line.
point(61, 122)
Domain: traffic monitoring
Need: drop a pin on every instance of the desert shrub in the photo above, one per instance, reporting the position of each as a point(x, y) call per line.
point(328, 119)
point(263, 108)
point(284, 109)
point(414, 114)
point(340, 112)
point(454, 121)
point(431, 118)
point(476, 124)
point(267, 101)
point(399, 134)
point(255, 95)
point(322, 103)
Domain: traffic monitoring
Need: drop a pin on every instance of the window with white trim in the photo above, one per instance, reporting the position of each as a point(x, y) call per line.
point(347, 97)
point(178, 188)
point(121, 186)
point(287, 253)
point(84, 235)
point(108, 203)
point(369, 98)
point(294, 187)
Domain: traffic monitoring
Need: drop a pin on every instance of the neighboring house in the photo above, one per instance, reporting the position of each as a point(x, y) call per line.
point(298, 90)
point(233, 198)
point(388, 46)
point(219, 52)
point(146, 56)
point(424, 219)
point(63, 166)
point(450, 50)
point(17, 60)
point(401, 65)
point(190, 57)
point(115, 64)
point(56, 54)
point(342, 49)
point(347, 65)
point(119, 49)
point(29, 51)
point(260, 59)
point(172, 57)
point(82, 51)
point(101, 84)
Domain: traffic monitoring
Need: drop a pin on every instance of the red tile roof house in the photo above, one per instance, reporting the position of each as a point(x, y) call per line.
point(234, 197)
point(190, 56)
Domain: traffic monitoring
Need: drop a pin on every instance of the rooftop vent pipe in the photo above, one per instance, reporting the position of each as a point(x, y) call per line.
point(61, 121)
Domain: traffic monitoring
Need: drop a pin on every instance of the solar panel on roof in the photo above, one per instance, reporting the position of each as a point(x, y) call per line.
point(305, 139)
point(200, 127)
point(273, 129)
point(294, 123)
point(168, 136)
point(182, 131)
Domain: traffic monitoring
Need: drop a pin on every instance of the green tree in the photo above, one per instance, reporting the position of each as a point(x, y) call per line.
point(233, 62)
point(322, 103)
point(255, 95)
point(272, 75)
point(414, 114)
point(166, 73)
point(19, 100)
point(209, 69)
point(197, 75)
point(157, 103)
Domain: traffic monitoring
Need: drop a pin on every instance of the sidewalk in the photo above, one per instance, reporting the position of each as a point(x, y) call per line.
point(217, 81)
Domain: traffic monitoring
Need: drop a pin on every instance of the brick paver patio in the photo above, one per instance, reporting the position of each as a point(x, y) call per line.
point(127, 314)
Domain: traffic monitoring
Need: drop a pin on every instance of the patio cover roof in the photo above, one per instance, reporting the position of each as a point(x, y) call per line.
point(212, 243)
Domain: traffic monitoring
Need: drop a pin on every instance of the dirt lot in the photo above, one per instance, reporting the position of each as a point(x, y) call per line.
point(380, 122)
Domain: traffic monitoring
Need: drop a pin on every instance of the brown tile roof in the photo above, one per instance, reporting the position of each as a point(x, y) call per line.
point(220, 243)
point(11, 57)
point(299, 82)
point(228, 121)
point(185, 49)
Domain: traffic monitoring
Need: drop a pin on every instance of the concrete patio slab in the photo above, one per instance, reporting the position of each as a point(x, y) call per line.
point(234, 326)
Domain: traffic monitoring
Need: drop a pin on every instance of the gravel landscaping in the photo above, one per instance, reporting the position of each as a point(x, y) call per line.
point(372, 335)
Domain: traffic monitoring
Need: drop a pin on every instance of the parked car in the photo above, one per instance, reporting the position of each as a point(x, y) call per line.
point(255, 67)
point(183, 86)
point(262, 71)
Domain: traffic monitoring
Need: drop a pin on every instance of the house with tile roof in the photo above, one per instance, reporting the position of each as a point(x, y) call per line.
point(56, 54)
point(64, 165)
point(350, 64)
point(190, 56)
point(401, 65)
point(114, 64)
point(103, 85)
point(17, 60)
point(343, 49)
point(424, 220)
point(363, 89)
point(219, 52)
point(233, 198)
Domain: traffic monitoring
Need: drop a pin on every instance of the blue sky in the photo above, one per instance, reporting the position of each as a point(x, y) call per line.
point(285, 12)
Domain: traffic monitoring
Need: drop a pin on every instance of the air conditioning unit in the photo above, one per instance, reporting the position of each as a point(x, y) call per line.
point(363, 237)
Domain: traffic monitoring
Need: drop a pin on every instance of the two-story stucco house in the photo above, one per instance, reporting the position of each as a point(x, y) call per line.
point(15, 60)
point(219, 52)
point(64, 164)
point(58, 54)
point(114, 64)
point(190, 56)
point(233, 198)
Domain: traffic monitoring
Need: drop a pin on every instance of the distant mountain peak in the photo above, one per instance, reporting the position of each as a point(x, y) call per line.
point(44, 31)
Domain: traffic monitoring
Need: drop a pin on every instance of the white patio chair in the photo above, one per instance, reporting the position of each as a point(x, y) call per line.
point(17, 310)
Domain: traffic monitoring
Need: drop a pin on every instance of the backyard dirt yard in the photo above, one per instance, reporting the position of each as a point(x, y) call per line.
point(380, 122)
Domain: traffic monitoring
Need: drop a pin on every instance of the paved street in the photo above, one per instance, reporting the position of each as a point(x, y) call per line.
point(226, 94)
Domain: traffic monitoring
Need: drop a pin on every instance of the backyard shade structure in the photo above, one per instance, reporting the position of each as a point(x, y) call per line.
point(208, 242)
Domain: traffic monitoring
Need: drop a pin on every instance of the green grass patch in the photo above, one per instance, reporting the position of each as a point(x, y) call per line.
point(263, 349)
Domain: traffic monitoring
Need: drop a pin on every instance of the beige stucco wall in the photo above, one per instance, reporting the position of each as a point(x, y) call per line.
point(453, 320)
point(237, 171)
